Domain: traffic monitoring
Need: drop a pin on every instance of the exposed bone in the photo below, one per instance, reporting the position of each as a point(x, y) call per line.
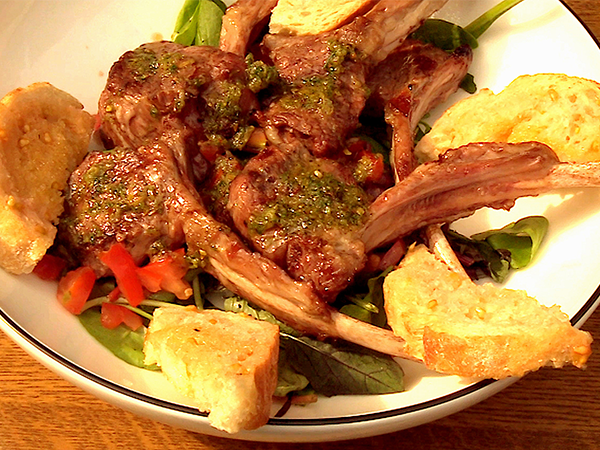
point(460, 182)
point(239, 22)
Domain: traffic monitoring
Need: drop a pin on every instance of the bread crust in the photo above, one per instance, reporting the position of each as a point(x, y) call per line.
point(44, 135)
point(460, 328)
point(304, 17)
point(226, 362)
point(558, 110)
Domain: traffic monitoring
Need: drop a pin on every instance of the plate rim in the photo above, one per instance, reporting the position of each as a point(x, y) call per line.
point(85, 375)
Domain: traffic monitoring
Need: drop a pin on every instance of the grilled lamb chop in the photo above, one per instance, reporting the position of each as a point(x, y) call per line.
point(195, 98)
point(141, 198)
point(302, 213)
point(412, 80)
point(326, 86)
point(456, 185)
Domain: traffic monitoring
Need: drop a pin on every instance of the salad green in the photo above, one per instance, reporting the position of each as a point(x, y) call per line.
point(306, 364)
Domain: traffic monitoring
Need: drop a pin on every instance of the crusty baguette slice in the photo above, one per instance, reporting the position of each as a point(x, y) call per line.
point(302, 17)
point(559, 110)
point(44, 135)
point(225, 362)
point(460, 328)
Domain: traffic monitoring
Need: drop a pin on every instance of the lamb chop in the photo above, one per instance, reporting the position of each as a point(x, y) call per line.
point(325, 88)
point(302, 213)
point(411, 81)
point(196, 97)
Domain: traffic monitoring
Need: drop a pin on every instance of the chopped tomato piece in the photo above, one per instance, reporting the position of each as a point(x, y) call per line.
point(167, 273)
point(75, 288)
point(114, 295)
point(120, 261)
point(113, 315)
point(50, 267)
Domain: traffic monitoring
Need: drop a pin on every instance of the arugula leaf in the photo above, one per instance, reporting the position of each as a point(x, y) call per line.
point(125, 343)
point(343, 369)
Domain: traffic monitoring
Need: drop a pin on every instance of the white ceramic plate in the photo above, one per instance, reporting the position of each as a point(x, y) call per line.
point(72, 44)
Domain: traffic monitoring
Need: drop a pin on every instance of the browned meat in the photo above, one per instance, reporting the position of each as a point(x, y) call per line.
point(190, 97)
point(140, 198)
point(413, 79)
point(460, 182)
point(241, 21)
point(120, 195)
point(302, 213)
point(326, 85)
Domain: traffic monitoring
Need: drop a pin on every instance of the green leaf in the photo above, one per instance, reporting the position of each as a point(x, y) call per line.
point(186, 23)
point(367, 306)
point(343, 369)
point(210, 18)
point(125, 343)
point(480, 257)
point(288, 380)
point(187, 11)
point(445, 35)
point(483, 22)
point(521, 238)
point(468, 84)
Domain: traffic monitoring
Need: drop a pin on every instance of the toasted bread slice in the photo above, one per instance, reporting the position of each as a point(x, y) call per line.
point(225, 362)
point(44, 135)
point(558, 110)
point(460, 328)
point(302, 17)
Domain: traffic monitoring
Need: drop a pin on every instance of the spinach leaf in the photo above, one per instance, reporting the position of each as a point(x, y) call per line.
point(521, 238)
point(288, 379)
point(445, 35)
point(210, 17)
point(125, 343)
point(368, 306)
point(494, 252)
point(186, 23)
point(479, 258)
point(343, 369)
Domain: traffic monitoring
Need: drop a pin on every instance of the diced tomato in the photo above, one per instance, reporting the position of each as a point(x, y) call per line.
point(167, 273)
point(114, 295)
point(120, 261)
point(75, 288)
point(50, 267)
point(113, 315)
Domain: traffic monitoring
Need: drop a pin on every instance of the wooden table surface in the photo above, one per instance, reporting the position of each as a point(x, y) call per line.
point(549, 409)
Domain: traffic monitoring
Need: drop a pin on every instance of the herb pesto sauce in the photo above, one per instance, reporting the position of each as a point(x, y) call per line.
point(312, 200)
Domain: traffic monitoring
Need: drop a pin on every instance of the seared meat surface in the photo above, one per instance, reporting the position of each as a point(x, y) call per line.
point(412, 80)
point(302, 212)
point(325, 88)
point(195, 99)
